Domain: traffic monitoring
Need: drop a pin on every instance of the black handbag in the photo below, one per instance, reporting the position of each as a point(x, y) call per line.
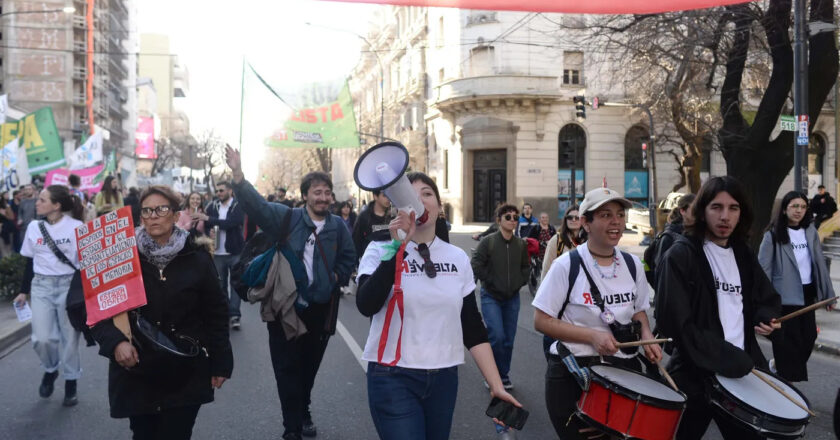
point(170, 356)
point(75, 303)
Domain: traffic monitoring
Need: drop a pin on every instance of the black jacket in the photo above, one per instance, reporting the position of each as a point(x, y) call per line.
point(232, 225)
point(690, 311)
point(501, 265)
point(823, 205)
point(190, 300)
point(366, 224)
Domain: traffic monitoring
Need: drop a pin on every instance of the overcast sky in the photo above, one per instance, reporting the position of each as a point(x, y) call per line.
point(211, 37)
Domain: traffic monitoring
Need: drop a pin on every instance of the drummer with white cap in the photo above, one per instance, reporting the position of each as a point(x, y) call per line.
point(587, 321)
point(715, 298)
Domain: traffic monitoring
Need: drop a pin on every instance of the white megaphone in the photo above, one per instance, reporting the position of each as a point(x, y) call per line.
point(382, 168)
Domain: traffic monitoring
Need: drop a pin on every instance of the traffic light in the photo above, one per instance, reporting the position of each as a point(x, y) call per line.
point(580, 107)
point(644, 154)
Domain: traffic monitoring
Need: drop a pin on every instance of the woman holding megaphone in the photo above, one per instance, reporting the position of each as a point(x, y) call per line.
point(419, 292)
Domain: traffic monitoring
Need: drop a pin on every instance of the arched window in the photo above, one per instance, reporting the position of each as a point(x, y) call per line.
point(633, 140)
point(571, 143)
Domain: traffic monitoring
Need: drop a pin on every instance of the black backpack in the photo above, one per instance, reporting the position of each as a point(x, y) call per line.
point(649, 257)
point(256, 246)
point(574, 270)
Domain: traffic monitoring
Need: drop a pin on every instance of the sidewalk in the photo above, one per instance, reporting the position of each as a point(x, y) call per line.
point(828, 323)
point(12, 332)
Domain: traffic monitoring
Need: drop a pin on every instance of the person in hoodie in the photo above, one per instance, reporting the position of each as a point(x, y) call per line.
point(374, 219)
point(715, 298)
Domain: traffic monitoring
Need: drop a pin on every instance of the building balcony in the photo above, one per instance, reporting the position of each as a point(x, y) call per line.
point(79, 99)
point(79, 21)
point(495, 90)
point(79, 73)
point(117, 67)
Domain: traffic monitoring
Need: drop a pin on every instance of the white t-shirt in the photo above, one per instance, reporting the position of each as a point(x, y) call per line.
point(44, 260)
point(623, 297)
point(801, 252)
point(309, 249)
point(223, 212)
point(728, 285)
point(432, 336)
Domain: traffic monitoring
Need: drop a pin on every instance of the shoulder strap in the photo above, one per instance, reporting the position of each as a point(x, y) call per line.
point(630, 264)
point(596, 293)
point(574, 270)
point(51, 244)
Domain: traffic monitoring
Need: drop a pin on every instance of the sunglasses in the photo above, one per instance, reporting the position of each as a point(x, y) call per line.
point(510, 217)
point(573, 217)
point(428, 266)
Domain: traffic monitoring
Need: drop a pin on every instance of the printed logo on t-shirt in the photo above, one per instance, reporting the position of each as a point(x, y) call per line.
point(727, 288)
point(58, 241)
point(614, 299)
point(411, 267)
point(799, 245)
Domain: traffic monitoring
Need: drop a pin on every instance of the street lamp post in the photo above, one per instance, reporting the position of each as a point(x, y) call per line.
point(381, 75)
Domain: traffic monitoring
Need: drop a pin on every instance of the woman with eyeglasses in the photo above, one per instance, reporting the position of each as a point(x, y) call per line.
point(569, 237)
point(791, 256)
point(422, 315)
point(161, 394)
point(589, 299)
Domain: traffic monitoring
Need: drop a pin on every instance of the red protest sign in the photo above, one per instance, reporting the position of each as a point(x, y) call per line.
point(110, 265)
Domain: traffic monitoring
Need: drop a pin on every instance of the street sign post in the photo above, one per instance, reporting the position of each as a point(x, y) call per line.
point(787, 123)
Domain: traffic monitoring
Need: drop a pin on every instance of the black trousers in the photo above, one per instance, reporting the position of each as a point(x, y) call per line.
point(562, 393)
point(699, 412)
point(792, 349)
point(171, 424)
point(296, 363)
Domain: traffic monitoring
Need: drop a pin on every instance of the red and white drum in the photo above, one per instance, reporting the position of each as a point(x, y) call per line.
point(629, 405)
point(755, 405)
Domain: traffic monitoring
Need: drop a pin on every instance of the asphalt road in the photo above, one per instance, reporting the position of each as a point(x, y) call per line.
point(247, 406)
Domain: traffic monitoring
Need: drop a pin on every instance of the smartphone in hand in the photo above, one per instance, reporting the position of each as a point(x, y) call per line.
point(507, 413)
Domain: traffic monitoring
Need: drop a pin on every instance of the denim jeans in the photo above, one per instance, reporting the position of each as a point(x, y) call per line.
point(409, 404)
point(500, 317)
point(223, 265)
point(53, 338)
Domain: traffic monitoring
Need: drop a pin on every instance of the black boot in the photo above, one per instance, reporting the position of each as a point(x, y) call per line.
point(70, 398)
point(47, 384)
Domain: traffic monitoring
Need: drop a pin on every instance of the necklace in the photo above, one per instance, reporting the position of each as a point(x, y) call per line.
point(615, 265)
point(602, 256)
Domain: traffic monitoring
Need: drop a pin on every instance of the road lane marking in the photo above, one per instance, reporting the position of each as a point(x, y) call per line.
point(351, 344)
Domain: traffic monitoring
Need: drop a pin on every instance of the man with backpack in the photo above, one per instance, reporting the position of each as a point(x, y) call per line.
point(318, 246)
point(679, 218)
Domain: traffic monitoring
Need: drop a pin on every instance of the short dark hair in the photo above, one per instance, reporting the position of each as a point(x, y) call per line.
point(377, 192)
point(707, 193)
point(821, 187)
point(74, 180)
point(416, 175)
point(164, 191)
point(314, 177)
point(225, 183)
point(528, 205)
point(504, 208)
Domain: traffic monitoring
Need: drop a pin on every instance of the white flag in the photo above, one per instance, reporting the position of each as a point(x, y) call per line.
point(88, 154)
point(8, 165)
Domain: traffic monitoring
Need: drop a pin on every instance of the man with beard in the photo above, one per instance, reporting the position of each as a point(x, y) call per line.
point(228, 216)
point(714, 298)
point(318, 242)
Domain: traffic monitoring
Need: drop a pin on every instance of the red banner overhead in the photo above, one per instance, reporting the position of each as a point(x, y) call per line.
point(566, 6)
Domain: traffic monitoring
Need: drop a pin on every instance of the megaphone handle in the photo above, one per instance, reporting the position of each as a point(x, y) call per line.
point(400, 233)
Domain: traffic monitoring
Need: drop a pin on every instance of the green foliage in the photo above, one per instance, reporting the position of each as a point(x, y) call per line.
point(11, 274)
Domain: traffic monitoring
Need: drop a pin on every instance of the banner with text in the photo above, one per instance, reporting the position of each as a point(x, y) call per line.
point(90, 185)
point(110, 265)
point(567, 6)
point(144, 138)
point(39, 136)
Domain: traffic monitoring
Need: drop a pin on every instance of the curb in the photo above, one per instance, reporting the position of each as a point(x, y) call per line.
point(827, 347)
point(14, 339)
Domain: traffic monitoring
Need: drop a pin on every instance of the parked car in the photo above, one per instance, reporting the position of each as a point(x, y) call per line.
point(638, 216)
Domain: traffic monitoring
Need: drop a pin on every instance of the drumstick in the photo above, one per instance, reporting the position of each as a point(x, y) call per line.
point(814, 306)
point(643, 342)
point(664, 372)
point(782, 392)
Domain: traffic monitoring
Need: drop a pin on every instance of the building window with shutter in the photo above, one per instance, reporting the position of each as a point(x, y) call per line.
point(572, 68)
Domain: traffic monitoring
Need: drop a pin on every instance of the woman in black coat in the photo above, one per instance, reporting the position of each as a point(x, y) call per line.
point(162, 393)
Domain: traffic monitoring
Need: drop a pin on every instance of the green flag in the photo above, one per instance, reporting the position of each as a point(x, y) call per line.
point(109, 168)
point(329, 125)
point(39, 136)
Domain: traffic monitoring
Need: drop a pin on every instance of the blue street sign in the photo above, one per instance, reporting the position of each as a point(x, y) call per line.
point(802, 141)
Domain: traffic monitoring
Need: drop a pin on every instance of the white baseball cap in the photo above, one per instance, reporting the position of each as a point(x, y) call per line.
point(597, 197)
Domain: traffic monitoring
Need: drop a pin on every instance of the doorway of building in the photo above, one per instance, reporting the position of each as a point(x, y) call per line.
point(489, 183)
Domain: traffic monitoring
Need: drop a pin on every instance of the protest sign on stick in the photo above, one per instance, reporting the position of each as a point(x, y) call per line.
point(110, 265)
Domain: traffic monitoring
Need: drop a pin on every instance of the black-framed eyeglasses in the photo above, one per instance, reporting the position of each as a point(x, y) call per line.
point(573, 217)
point(428, 266)
point(510, 217)
point(161, 211)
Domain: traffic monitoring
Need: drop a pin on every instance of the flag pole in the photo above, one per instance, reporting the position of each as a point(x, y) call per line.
point(241, 103)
